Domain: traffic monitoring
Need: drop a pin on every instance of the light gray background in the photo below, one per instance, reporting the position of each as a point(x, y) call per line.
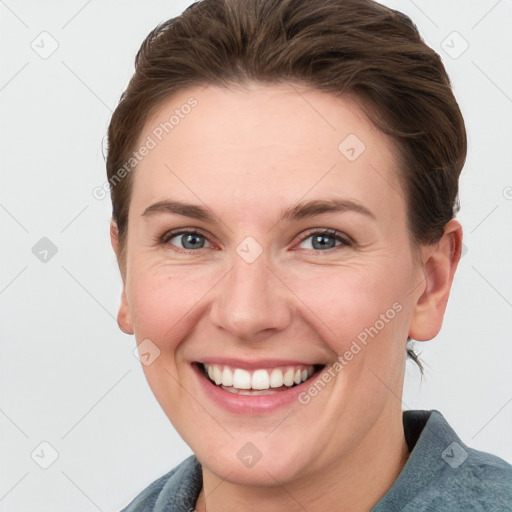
point(68, 375)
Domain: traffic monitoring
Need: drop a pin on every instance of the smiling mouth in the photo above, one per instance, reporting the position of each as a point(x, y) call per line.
point(261, 381)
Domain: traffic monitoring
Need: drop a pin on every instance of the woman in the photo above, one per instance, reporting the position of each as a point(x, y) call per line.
point(284, 178)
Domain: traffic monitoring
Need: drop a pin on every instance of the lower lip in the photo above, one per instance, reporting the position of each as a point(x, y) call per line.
point(250, 404)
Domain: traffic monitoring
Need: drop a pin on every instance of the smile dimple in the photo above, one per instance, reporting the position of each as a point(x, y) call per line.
point(261, 381)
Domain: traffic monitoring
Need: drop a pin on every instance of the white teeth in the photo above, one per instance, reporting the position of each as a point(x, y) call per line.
point(217, 375)
point(258, 380)
point(249, 392)
point(276, 378)
point(227, 377)
point(241, 379)
point(288, 377)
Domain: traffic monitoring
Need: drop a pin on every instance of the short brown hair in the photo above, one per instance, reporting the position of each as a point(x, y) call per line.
point(355, 47)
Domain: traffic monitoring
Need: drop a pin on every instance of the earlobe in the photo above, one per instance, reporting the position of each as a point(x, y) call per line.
point(124, 317)
point(440, 263)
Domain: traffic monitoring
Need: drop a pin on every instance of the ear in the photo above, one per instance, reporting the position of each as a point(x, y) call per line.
point(124, 318)
point(440, 262)
point(114, 237)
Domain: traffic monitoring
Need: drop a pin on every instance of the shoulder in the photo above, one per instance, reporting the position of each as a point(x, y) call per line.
point(176, 490)
point(470, 480)
point(474, 480)
point(443, 473)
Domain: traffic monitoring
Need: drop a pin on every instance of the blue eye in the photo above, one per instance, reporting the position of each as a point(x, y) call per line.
point(325, 240)
point(320, 240)
point(189, 240)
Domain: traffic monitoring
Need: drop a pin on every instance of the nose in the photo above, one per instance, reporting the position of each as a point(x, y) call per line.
point(251, 303)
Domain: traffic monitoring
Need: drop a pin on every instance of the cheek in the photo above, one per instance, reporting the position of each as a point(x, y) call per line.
point(359, 303)
point(165, 304)
point(166, 307)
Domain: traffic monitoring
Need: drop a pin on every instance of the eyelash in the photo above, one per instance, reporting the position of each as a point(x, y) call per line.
point(344, 239)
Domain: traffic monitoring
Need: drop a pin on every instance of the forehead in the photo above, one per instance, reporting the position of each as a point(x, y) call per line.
point(249, 145)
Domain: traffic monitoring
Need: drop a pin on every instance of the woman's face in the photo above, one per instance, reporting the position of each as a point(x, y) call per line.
point(299, 259)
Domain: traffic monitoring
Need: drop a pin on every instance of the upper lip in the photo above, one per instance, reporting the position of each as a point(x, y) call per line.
point(252, 364)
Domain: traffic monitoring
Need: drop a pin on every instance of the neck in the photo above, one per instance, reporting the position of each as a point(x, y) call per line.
point(355, 483)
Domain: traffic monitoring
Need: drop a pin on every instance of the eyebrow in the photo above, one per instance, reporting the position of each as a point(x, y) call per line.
point(300, 211)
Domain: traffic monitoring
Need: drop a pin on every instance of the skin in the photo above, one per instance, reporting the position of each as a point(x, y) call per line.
point(247, 154)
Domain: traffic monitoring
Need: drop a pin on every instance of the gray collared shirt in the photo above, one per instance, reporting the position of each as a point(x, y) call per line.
point(441, 474)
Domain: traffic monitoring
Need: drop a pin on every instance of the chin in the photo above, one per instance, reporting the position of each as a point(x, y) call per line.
point(243, 463)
